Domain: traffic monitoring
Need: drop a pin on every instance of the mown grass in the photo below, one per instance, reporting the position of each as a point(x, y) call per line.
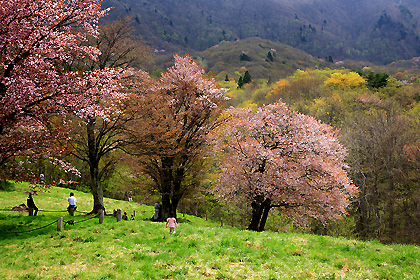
point(141, 249)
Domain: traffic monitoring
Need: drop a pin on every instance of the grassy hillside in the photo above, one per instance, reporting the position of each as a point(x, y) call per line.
point(285, 59)
point(141, 249)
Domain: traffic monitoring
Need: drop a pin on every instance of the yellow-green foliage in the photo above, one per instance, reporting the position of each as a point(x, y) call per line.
point(326, 94)
point(340, 80)
point(302, 86)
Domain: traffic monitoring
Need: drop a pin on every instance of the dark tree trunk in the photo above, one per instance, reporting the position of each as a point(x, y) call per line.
point(257, 211)
point(171, 189)
point(166, 206)
point(169, 205)
point(361, 226)
point(390, 209)
point(95, 180)
point(166, 187)
point(375, 202)
point(260, 209)
point(98, 195)
point(266, 209)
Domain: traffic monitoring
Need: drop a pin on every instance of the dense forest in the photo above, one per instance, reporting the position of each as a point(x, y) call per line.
point(379, 31)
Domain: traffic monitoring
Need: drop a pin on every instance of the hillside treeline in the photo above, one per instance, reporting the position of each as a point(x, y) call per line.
point(379, 31)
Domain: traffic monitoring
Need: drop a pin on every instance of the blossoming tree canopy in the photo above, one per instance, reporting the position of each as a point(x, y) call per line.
point(190, 89)
point(39, 39)
point(276, 157)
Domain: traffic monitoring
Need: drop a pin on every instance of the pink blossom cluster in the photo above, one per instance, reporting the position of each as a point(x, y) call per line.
point(194, 99)
point(186, 80)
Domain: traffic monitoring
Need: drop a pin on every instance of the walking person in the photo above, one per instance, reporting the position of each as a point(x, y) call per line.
point(31, 204)
point(171, 222)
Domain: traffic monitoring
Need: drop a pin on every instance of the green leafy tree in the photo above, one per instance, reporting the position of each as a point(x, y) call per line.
point(374, 80)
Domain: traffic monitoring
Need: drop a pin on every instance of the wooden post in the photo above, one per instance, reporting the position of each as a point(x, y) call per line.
point(59, 223)
point(31, 211)
point(71, 211)
point(119, 218)
point(101, 216)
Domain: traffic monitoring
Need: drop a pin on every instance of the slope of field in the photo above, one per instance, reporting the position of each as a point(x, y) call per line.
point(199, 249)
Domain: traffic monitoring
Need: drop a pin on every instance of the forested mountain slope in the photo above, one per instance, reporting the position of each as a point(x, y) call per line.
point(379, 31)
point(263, 58)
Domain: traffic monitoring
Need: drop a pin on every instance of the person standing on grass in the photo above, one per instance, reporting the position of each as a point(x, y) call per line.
point(171, 222)
point(157, 209)
point(72, 202)
point(31, 203)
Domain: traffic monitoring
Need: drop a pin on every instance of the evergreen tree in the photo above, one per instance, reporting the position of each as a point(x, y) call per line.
point(244, 57)
point(240, 82)
point(377, 80)
point(227, 78)
point(329, 59)
point(247, 78)
point(270, 57)
point(374, 80)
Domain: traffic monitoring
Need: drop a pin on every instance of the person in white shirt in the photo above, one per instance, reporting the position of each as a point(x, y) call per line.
point(72, 202)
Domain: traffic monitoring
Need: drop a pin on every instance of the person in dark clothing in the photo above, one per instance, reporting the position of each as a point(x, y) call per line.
point(31, 204)
point(157, 210)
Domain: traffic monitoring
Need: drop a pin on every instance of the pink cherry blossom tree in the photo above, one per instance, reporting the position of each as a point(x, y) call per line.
point(104, 126)
point(175, 117)
point(276, 157)
point(39, 40)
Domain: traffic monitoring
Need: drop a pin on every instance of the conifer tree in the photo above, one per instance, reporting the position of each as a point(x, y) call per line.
point(247, 78)
point(240, 82)
point(270, 57)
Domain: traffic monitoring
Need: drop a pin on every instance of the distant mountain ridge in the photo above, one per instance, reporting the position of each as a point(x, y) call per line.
point(380, 31)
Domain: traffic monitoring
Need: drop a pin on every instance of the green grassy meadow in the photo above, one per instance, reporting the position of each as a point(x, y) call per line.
point(199, 249)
